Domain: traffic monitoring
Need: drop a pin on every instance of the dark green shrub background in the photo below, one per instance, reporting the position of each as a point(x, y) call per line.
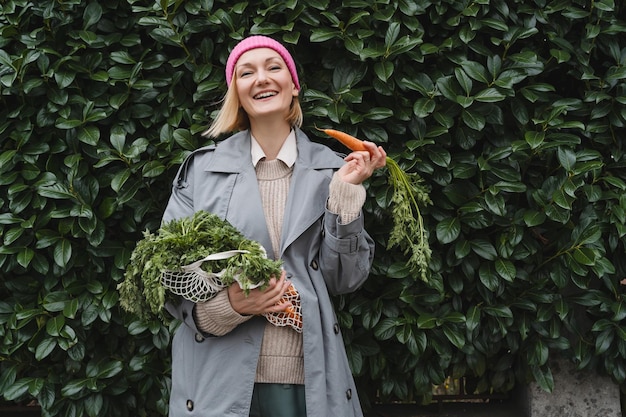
point(512, 111)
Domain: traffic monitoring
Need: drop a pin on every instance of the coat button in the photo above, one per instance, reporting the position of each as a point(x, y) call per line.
point(349, 394)
point(336, 328)
point(199, 338)
point(314, 265)
point(189, 405)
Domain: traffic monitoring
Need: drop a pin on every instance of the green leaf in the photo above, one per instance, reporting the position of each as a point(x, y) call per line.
point(424, 107)
point(560, 55)
point(119, 179)
point(378, 113)
point(448, 230)
point(476, 71)
point(25, 256)
point(543, 378)
point(152, 169)
point(384, 70)
point(55, 301)
point(567, 158)
point(488, 277)
point(324, 34)
point(484, 249)
point(447, 87)
point(425, 321)
point(472, 320)
point(398, 270)
point(184, 139)
point(75, 387)
point(56, 191)
point(584, 256)
point(62, 252)
point(534, 218)
point(45, 348)
point(92, 14)
point(94, 404)
point(473, 119)
point(506, 269)
point(534, 139)
point(122, 57)
point(55, 325)
point(489, 95)
point(464, 81)
point(495, 203)
point(17, 390)
point(440, 156)
point(8, 377)
point(393, 31)
point(89, 135)
point(604, 340)
point(454, 335)
point(64, 79)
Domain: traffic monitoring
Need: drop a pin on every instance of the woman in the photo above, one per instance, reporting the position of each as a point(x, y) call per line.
point(302, 202)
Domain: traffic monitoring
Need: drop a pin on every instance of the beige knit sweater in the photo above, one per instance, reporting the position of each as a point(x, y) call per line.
point(281, 358)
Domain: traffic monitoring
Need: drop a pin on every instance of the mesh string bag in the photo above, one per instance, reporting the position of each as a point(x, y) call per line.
point(292, 316)
point(195, 284)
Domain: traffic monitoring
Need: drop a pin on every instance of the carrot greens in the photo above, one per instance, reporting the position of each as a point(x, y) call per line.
point(408, 232)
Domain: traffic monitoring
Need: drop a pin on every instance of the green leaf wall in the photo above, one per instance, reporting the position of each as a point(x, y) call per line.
point(512, 111)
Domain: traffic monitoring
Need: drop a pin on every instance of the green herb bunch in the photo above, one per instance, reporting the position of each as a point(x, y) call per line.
point(408, 232)
point(182, 242)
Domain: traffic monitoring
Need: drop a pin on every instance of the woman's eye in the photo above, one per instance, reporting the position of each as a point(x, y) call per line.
point(245, 74)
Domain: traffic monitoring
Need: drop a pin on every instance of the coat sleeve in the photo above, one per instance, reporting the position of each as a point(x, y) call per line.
point(347, 251)
point(346, 254)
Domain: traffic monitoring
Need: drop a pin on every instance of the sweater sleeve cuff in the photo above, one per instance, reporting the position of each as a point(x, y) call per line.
point(216, 316)
point(345, 199)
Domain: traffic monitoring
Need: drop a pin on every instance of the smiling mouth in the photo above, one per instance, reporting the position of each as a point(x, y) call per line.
point(265, 94)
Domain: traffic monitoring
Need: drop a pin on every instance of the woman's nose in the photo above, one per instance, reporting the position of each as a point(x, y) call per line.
point(261, 77)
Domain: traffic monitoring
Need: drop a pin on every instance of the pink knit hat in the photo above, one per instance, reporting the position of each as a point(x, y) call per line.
point(258, 41)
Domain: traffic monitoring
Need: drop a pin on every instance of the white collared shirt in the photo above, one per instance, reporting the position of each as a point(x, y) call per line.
point(288, 152)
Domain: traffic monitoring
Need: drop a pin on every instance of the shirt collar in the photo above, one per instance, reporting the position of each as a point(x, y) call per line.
point(288, 152)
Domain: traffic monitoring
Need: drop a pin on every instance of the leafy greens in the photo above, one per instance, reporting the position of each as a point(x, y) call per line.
point(181, 242)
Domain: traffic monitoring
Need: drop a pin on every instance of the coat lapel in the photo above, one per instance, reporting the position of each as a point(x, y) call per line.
point(308, 191)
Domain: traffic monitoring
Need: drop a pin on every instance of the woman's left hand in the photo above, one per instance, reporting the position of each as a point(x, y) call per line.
point(361, 164)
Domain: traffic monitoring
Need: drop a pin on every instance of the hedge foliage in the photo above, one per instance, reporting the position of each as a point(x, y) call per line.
point(512, 111)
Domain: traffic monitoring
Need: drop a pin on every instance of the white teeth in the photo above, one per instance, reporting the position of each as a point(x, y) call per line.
point(265, 94)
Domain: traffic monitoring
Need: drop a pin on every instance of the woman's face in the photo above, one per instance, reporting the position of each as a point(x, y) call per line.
point(264, 84)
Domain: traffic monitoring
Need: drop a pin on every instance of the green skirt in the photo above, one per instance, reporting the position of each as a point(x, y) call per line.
point(278, 400)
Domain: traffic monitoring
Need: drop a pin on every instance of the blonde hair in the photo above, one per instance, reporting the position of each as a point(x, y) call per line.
point(232, 117)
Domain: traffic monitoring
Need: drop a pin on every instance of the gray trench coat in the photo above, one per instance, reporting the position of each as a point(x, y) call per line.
point(214, 376)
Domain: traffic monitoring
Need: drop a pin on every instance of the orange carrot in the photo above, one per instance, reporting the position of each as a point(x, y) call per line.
point(354, 144)
point(290, 311)
point(293, 314)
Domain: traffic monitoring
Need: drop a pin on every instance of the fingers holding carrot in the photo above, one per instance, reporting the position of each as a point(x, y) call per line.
point(364, 159)
point(374, 156)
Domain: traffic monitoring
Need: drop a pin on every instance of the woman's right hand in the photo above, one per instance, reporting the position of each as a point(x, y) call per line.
point(361, 164)
point(260, 301)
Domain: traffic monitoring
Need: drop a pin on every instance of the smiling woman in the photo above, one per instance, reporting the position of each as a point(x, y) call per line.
point(231, 116)
point(311, 200)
